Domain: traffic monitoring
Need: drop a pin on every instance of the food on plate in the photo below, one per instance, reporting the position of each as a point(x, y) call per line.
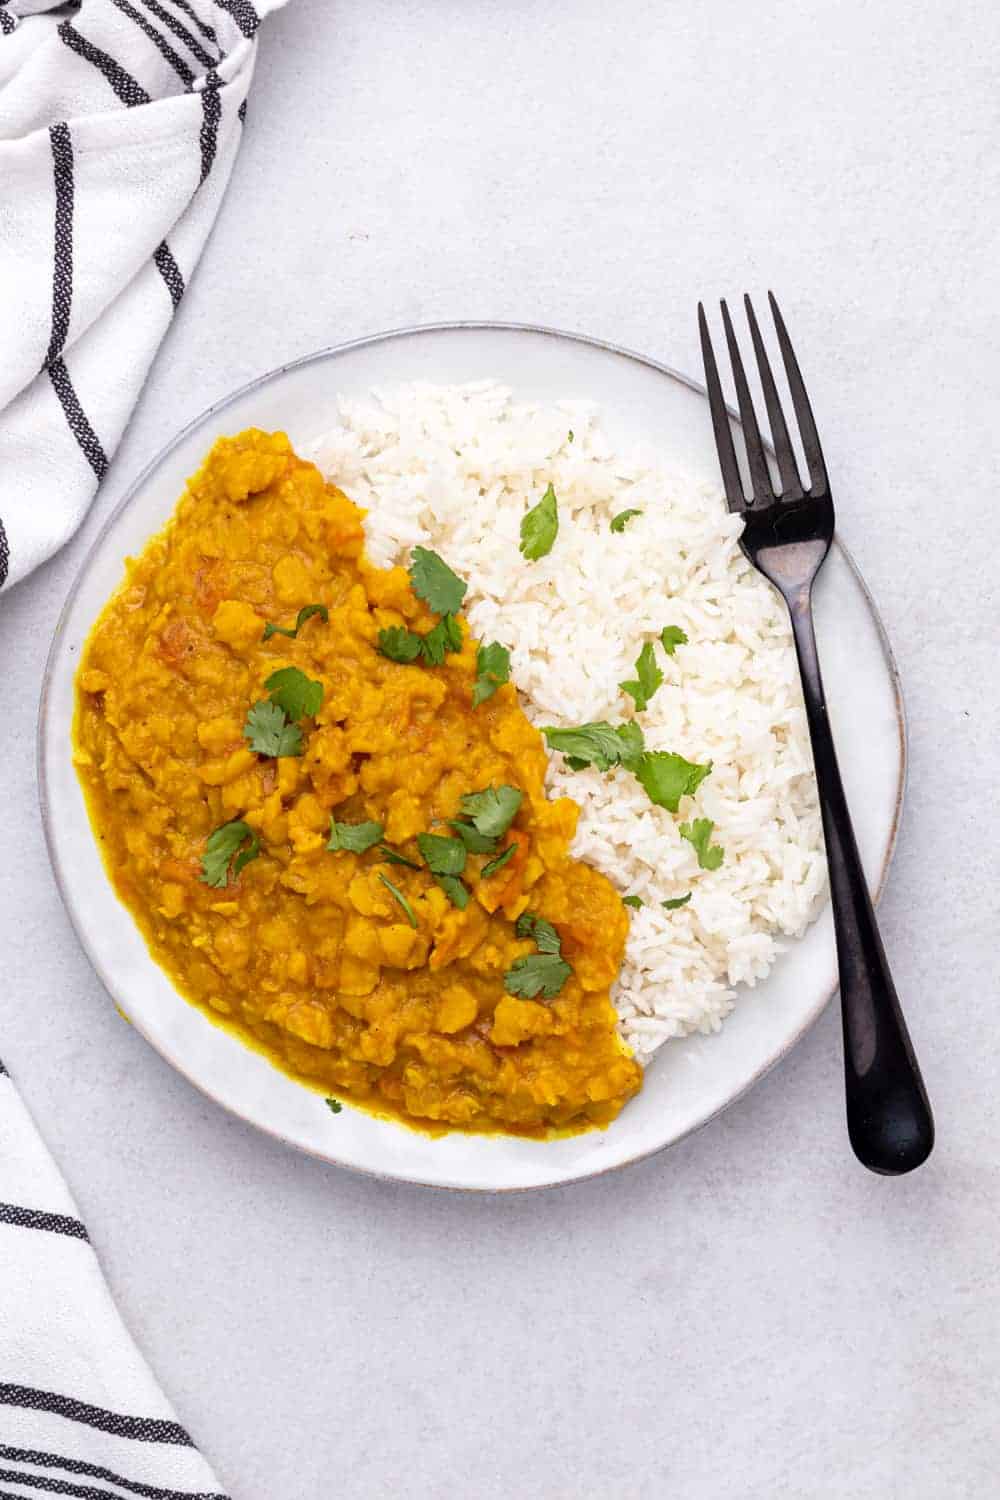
point(318, 795)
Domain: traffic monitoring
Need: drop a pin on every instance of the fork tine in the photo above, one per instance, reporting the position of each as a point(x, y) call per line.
point(760, 475)
point(807, 426)
point(720, 421)
point(791, 484)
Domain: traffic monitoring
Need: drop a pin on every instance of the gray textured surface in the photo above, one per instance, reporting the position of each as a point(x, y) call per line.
point(750, 1315)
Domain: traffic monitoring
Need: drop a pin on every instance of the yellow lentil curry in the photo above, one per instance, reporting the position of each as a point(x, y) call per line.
point(356, 975)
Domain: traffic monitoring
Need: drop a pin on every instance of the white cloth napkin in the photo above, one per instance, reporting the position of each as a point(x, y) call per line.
point(119, 125)
point(80, 1411)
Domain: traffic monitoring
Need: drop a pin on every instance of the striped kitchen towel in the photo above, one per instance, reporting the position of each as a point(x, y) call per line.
point(80, 1412)
point(119, 125)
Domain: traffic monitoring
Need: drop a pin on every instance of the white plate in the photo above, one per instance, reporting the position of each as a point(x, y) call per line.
point(689, 1081)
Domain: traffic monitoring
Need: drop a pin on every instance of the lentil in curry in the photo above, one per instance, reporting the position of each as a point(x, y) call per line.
point(353, 971)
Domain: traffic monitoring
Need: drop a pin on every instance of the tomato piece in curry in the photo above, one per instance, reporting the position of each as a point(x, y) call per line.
point(306, 953)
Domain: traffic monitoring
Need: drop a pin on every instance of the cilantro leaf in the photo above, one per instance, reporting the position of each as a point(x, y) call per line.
point(445, 636)
point(334, 1106)
point(474, 841)
point(433, 581)
point(493, 809)
point(698, 833)
point(634, 901)
point(570, 436)
point(667, 777)
point(601, 744)
point(393, 857)
point(354, 838)
point(678, 901)
point(539, 527)
point(220, 846)
point(444, 856)
point(269, 732)
point(398, 896)
point(492, 670)
point(293, 691)
point(400, 644)
point(305, 613)
point(537, 974)
point(453, 888)
point(528, 925)
point(648, 678)
point(621, 520)
point(672, 636)
point(498, 863)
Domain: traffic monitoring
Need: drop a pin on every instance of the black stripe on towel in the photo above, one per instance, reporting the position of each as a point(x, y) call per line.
point(143, 1429)
point(129, 91)
point(163, 47)
point(96, 1471)
point(207, 31)
point(182, 34)
point(7, 23)
point(33, 1218)
point(62, 267)
point(4, 569)
point(208, 136)
point(170, 271)
point(242, 13)
point(52, 1486)
point(77, 418)
point(242, 112)
point(4, 559)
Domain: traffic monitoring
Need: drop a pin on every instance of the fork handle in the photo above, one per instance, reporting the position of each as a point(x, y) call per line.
point(889, 1118)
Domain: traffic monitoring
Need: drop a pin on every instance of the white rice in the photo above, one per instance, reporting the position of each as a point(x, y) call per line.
point(454, 468)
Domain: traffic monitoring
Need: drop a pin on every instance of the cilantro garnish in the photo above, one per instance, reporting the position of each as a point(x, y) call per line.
point(293, 691)
point(537, 974)
point(492, 670)
point(634, 901)
point(492, 810)
point(220, 846)
point(269, 732)
point(400, 644)
point(393, 857)
point(353, 838)
point(570, 436)
point(528, 925)
point(445, 636)
point(305, 613)
point(539, 527)
point(667, 777)
point(677, 901)
point(434, 582)
point(648, 678)
point(498, 863)
point(601, 744)
point(443, 856)
point(453, 888)
point(334, 1106)
point(698, 833)
point(474, 841)
point(672, 636)
point(398, 896)
point(621, 520)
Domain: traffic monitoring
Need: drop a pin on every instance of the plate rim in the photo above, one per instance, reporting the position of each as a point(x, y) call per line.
point(130, 495)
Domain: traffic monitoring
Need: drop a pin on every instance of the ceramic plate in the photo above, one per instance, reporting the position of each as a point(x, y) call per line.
point(689, 1081)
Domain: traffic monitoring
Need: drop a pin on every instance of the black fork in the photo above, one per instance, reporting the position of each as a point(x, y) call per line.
point(786, 536)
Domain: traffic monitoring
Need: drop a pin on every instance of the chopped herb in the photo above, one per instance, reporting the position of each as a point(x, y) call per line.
point(269, 732)
point(398, 896)
point(498, 863)
point(334, 1106)
point(445, 636)
point(305, 613)
point(634, 901)
point(537, 974)
point(400, 644)
point(453, 888)
point(474, 841)
point(677, 902)
point(539, 527)
point(528, 925)
point(648, 678)
point(602, 745)
point(698, 833)
point(492, 670)
point(353, 838)
point(621, 520)
point(293, 691)
point(444, 856)
point(433, 581)
point(493, 809)
point(220, 846)
point(667, 777)
point(393, 857)
point(569, 435)
point(672, 636)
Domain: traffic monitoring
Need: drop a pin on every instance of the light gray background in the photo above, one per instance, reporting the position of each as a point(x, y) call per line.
point(750, 1315)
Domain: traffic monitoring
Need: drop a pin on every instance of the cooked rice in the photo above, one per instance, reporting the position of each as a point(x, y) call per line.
point(455, 468)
